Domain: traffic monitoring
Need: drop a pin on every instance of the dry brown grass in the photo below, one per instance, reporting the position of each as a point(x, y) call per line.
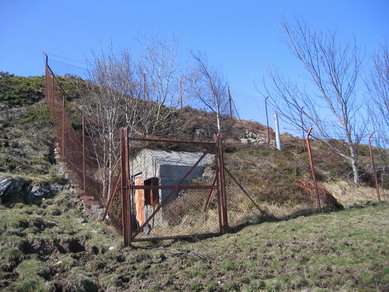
point(349, 194)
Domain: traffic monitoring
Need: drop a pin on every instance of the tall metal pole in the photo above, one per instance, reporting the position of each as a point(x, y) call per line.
point(313, 168)
point(217, 105)
point(278, 135)
point(181, 92)
point(46, 81)
point(83, 155)
point(63, 128)
point(125, 172)
point(230, 101)
point(144, 86)
point(374, 170)
point(221, 187)
point(267, 122)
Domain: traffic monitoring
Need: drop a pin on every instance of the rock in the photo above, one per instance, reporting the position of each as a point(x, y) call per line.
point(97, 212)
point(252, 138)
point(21, 190)
point(4, 186)
point(80, 220)
point(13, 189)
point(37, 191)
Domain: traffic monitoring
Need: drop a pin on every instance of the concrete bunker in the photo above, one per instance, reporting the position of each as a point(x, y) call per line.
point(161, 168)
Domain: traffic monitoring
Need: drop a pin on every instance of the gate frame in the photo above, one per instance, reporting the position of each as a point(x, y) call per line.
point(126, 187)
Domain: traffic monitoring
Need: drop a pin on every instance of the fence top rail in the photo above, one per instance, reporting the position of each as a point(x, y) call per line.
point(175, 187)
point(175, 140)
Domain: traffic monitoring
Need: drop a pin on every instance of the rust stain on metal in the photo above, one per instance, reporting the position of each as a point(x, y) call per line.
point(313, 168)
point(374, 170)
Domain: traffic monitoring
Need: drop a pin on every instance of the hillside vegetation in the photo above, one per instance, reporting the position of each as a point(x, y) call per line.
point(49, 245)
point(26, 132)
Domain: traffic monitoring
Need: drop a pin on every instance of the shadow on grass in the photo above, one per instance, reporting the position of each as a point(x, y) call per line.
point(261, 219)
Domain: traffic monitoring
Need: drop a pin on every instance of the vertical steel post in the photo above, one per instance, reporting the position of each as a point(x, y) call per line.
point(267, 122)
point(374, 170)
point(230, 101)
point(218, 194)
point(83, 156)
point(52, 97)
point(313, 168)
point(181, 93)
point(46, 77)
point(278, 135)
point(126, 211)
point(221, 183)
point(63, 128)
point(144, 86)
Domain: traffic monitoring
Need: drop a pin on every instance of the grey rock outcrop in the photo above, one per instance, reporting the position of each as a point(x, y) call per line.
point(21, 190)
point(252, 138)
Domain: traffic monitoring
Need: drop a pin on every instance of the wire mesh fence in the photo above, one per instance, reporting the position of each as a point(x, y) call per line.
point(244, 187)
point(155, 188)
point(78, 151)
point(173, 186)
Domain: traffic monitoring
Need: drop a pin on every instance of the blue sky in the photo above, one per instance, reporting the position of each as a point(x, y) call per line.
point(240, 37)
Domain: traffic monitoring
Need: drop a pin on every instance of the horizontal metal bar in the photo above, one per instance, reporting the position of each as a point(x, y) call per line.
point(143, 187)
point(205, 235)
point(172, 140)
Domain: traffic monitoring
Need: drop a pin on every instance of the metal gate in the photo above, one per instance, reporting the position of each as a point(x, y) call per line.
point(172, 188)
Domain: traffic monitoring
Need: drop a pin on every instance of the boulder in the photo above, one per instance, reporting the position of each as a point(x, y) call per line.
point(252, 138)
point(13, 188)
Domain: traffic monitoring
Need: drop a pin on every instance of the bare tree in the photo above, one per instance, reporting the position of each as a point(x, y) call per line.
point(161, 81)
point(139, 95)
point(209, 87)
point(331, 107)
point(112, 100)
point(377, 85)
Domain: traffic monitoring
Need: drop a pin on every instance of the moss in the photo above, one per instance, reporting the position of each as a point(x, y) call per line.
point(30, 285)
point(38, 113)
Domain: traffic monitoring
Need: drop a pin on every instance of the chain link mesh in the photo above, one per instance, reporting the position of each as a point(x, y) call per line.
point(79, 152)
point(174, 185)
point(178, 199)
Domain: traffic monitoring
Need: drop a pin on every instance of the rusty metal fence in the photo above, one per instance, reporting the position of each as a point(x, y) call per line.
point(172, 188)
point(77, 149)
point(159, 188)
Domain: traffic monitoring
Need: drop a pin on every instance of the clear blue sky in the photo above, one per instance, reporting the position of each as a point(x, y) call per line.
point(241, 37)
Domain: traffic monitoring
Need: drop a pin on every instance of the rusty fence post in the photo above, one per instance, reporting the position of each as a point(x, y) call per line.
point(83, 156)
point(219, 200)
point(53, 96)
point(63, 128)
point(221, 187)
point(374, 170)
point(126, 211)
point(313, 167)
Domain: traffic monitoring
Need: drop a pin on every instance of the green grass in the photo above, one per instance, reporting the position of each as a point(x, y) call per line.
point(345, 250)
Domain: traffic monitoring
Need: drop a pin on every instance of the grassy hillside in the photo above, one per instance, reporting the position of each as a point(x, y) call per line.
point(51, 247)
point(26, 136)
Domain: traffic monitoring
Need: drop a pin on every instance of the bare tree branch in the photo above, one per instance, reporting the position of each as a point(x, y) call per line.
point(332, 107)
